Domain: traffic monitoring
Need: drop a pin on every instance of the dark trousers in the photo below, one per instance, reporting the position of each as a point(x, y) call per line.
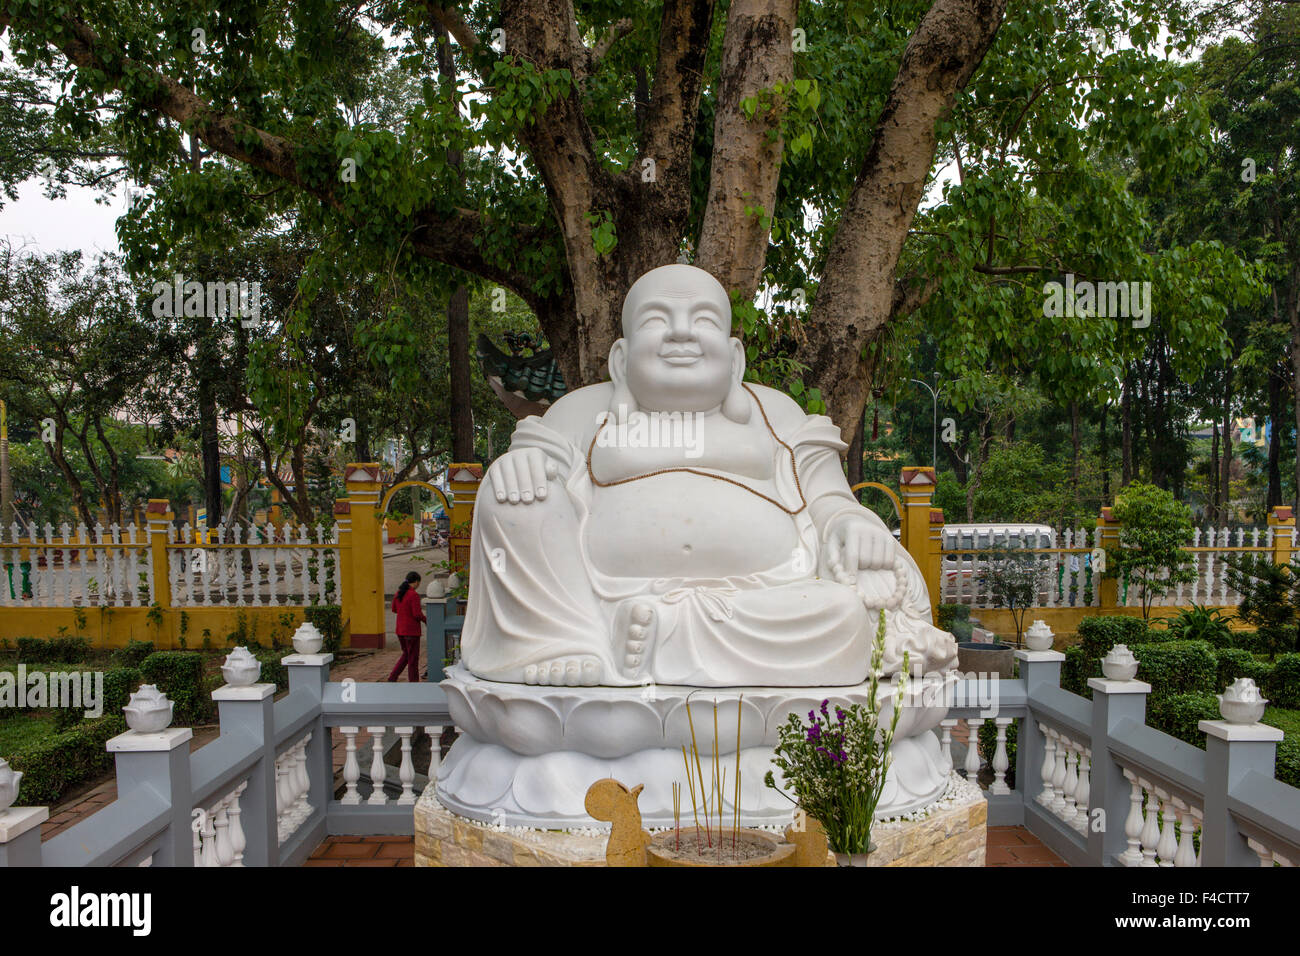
point(410, 659)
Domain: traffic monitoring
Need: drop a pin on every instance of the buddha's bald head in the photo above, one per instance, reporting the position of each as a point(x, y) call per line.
point(677, 353)
point(668, 284)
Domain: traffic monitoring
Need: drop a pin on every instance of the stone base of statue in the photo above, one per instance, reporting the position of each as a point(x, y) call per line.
point(950, 832)
point(527, 753)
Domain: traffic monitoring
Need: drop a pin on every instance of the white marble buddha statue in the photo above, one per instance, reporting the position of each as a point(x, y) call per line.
point(677, 525)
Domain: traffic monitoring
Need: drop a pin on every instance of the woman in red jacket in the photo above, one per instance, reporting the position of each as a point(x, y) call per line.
point(406, 604)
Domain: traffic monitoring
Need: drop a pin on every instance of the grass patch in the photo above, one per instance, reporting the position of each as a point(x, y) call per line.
point(19, 730)
point(1288, 721)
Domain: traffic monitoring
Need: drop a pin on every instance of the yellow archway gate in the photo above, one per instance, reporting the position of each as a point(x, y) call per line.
point(893, 496)
point(416, 482)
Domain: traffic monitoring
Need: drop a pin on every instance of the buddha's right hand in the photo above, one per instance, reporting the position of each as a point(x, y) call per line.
point(520, 476)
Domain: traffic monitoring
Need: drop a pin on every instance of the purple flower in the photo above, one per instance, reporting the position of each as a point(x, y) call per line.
point(826, 708)
point(839, 715)
point(814, 732)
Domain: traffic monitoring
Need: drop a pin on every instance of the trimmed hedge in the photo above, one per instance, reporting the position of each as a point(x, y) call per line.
point(1287, 768)
point(1177, 667)
point(55, 650)
point(1282, 685)
point(133, 654)
point(1235, 662)
point(1097, 635)
point(273, 672)
point(1179, 715)
point(179, 674)
point(328, 619)
point(59, 762)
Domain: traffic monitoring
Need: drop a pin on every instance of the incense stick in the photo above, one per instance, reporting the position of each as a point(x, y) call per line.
point(735, 803)
point(699, 770)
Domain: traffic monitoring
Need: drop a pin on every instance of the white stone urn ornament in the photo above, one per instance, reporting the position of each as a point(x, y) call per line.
point(1119, 664)
point(307, 639)
point(1039, 636)
point(436, 588)
point(149, 711)
point(9, 781)
point(453, 581)
point(1241, 703)
point(241, 668)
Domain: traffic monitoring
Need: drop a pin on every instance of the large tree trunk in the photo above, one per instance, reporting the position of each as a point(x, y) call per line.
point(1293, 314)
point(856, 296)
point(855, 452)
point(1213, 510)
point(756, 55)
point(1126, 432)
point(462, 413)
point(1275, 385)
point(1225, 483)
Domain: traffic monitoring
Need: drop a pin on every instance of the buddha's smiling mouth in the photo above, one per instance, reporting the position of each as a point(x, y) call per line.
point(681, 358)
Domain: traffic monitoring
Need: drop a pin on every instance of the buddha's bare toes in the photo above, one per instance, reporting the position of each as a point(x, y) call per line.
point(564, 672)
point(633, 641)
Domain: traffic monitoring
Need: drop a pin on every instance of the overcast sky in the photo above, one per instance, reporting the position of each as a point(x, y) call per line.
point(72, 223)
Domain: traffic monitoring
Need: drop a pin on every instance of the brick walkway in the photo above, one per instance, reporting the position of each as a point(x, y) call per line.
point(1016, 846)
point(364, 851)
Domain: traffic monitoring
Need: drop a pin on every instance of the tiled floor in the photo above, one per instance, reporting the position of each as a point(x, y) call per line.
point(364, 851)
point(1016, 846)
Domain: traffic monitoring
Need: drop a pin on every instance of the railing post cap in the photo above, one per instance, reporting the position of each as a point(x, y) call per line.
point(1256, 733)
point(1104, 685)
point(16, 821)
point(307, 660)
point(1037, 657)
point(164, 740)
point(244, 692)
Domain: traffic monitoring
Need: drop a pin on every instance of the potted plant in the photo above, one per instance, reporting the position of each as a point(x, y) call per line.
point(1013, 578)
point(836, 763)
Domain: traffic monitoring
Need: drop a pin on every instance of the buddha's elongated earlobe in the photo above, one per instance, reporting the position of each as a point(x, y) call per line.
point(736, 405)
point(622, 404)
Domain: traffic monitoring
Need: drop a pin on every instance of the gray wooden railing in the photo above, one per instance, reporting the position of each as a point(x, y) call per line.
point(1091, 780)
point(260, 794)
point(1100, 788)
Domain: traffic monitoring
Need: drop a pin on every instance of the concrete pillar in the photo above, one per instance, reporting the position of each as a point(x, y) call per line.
point(1231, 752)
point(1039, 670)
point(310, 673)
point(464, 479)
point(921, 533)
point(1282, 521)
point(1108, 588)
point(20, 836)
point(160, 761)
point(251, 710)
point(367, 561)
point(160, 518)
point(1113, 701)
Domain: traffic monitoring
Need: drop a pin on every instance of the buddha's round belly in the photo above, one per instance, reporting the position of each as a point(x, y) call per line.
point(687, 526)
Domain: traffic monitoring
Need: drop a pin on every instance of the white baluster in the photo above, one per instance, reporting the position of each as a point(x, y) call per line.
point(406, 773)
point(271, 572)
point(1264, 853)
point(1150, 829)
point(1049, 766)
point(1186, 855)
point(238, 841)
point(237, 563)
point(1000, 760)
point(223, 853)
point(1198, 821)
point(209, 840)
point(283, 796)
point(304, 780)
point(351, 769)
point(435, 751)
point(1133, 823)
point(945, 746)
point(254, 555)
point(1168, 845)
point(198, 843)
point(377, 772)
point(1071, 781)
point(973, 748)
point(1082, 791)
point(1059, 773)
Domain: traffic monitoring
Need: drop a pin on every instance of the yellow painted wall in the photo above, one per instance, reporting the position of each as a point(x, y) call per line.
point(113, 627)
point(1064, 621)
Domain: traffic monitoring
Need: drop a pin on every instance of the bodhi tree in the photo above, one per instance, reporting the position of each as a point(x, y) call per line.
point(781, 146)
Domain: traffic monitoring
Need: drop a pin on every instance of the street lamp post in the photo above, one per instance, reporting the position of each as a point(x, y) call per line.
point(934, 433)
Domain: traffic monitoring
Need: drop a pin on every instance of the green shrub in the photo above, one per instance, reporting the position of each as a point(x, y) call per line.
point(1179, 715)
point(1233, 662)
point(32, 650)
point(328, 618)
point(54, 765)
point(989, 742)
point(119, 684)
point(1200, 623)
point(1282, 686)
point(1287, 768)
point(1075, 672)
point(1097, 635)
point(55, 650)
point(133, 654)
point(1177, 667)
point(273, 672)
point(1249, 641)
point(179, 674)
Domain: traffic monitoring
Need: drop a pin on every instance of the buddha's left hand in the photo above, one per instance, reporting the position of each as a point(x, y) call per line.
point(855, 543)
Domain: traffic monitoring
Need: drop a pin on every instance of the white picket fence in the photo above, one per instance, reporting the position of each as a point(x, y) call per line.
point(1070, 581)
point(224, 566)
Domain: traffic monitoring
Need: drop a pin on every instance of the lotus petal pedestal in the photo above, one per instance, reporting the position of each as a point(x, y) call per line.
point(527, 754)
